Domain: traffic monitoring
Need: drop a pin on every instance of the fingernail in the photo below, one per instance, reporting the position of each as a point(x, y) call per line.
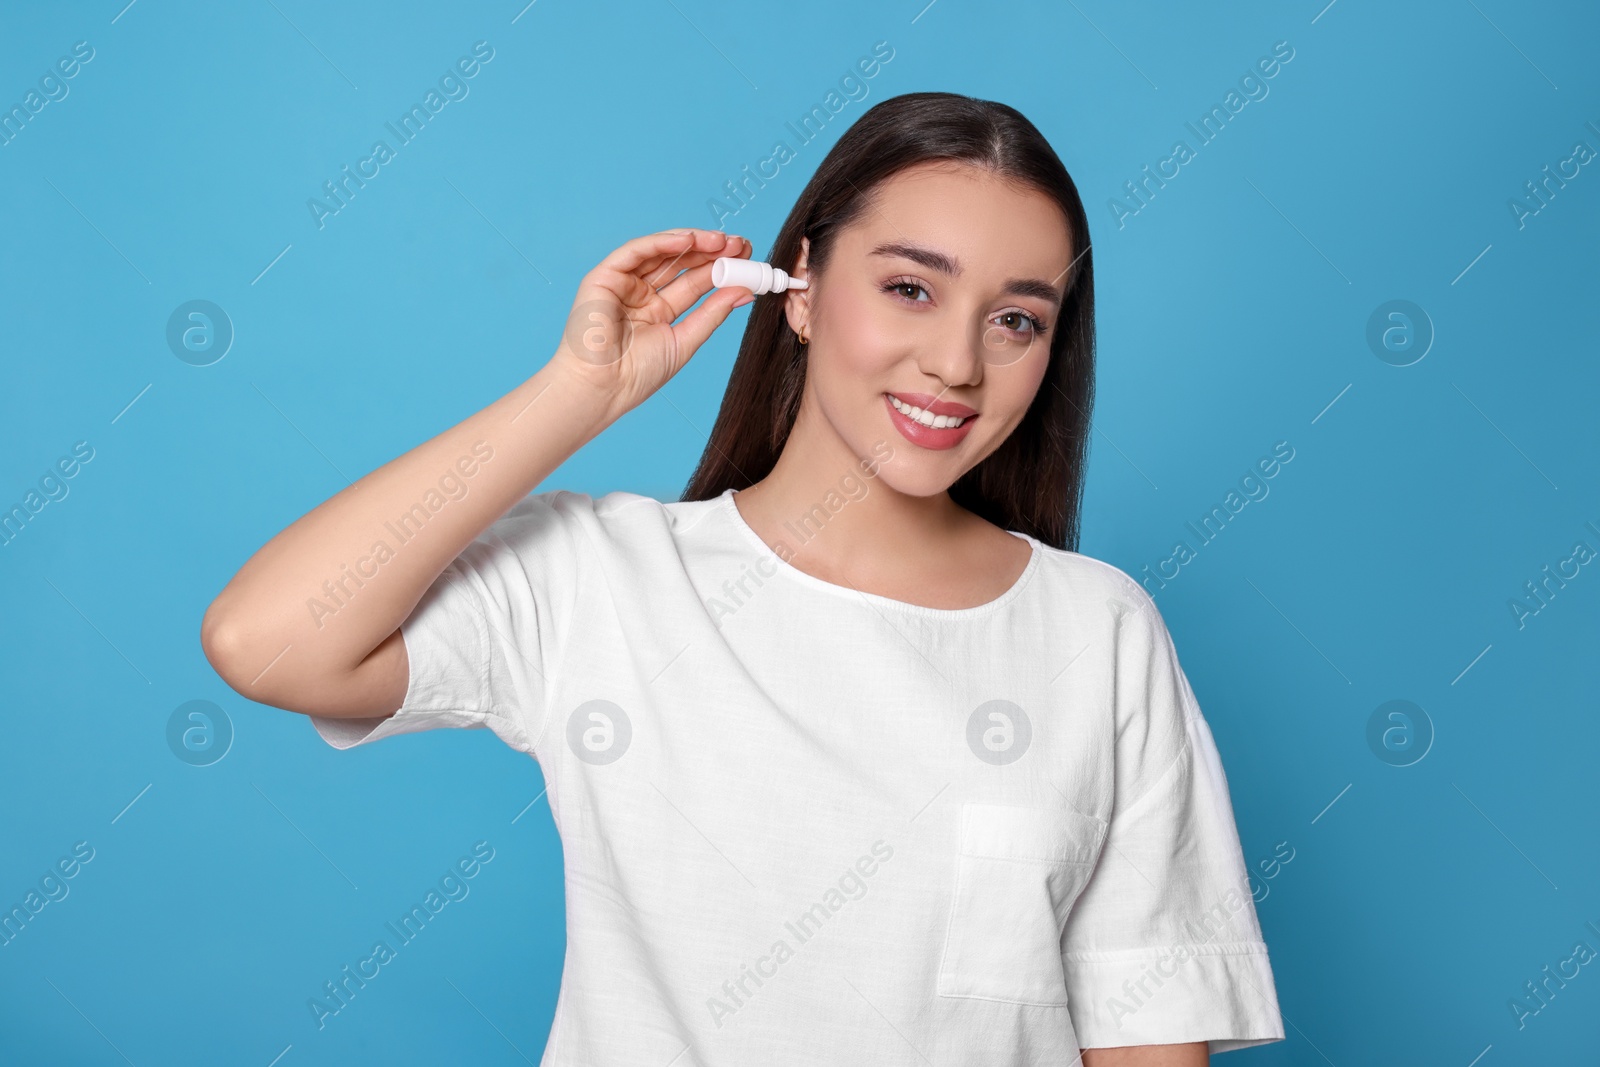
point(743, 300)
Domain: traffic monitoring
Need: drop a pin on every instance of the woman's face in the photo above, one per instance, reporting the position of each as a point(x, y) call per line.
point(943, 297)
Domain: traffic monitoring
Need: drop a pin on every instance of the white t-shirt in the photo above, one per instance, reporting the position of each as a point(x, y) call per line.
point(804, 824)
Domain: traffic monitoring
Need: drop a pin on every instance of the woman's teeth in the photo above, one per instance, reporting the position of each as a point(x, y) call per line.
point(937, 422)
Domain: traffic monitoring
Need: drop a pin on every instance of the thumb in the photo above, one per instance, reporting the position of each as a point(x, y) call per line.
point(700, 323)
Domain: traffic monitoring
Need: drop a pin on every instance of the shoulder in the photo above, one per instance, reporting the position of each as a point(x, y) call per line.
point(570, 505)
point(1108, 600)
point(1086, 578)
point(617, 517)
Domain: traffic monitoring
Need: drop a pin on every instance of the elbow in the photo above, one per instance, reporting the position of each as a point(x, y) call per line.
point(233, 650)
point(250, 649)
point(222, 642)
point(249, 654)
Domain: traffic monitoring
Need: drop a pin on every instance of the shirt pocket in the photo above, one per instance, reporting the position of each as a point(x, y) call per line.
point(1018, 872)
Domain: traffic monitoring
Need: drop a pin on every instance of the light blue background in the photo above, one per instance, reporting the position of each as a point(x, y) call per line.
point(1233, 312)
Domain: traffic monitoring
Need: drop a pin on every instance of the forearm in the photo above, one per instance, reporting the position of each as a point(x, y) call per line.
point(1193, 1054)
point(296, 623)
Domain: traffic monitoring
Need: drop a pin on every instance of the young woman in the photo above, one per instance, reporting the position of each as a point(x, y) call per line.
point(854, 758)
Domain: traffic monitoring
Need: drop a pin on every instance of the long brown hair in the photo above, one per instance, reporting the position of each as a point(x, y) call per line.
point(1031, 483)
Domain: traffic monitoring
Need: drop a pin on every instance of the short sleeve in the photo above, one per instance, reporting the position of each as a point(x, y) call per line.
point(1163, 945)
point(487, 634)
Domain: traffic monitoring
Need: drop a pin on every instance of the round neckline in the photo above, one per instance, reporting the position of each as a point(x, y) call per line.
point(748, 533)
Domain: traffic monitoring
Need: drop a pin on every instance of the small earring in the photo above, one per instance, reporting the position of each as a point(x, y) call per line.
point(803, 336)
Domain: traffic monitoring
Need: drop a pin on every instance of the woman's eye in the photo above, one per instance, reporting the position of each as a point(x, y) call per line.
point(1020, 322)
point(906, 290)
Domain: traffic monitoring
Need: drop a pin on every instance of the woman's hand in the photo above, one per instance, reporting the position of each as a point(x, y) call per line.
point(620, 334)
point(262, 634)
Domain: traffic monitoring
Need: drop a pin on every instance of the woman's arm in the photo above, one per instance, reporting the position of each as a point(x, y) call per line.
point(265, 633)
point(1192, 1054)
point(270, 635)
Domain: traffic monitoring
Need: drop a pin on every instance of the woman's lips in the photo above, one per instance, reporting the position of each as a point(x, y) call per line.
point(927, 436)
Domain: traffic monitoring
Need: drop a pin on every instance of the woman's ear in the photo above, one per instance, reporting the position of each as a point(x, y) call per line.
point(797, 302)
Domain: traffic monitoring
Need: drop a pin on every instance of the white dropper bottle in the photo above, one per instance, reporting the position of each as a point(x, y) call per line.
point(752, 274)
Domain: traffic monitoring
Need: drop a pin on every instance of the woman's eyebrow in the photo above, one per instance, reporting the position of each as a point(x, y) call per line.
point(1033, 287)
point(933, 259)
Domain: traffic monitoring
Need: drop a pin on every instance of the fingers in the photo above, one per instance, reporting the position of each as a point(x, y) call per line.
point(700, 323)
point(681, 292)
point(661, 246)
point(659, 271)
point(656, 270)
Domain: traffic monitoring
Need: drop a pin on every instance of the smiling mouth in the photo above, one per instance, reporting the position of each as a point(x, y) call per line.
point(927, 418)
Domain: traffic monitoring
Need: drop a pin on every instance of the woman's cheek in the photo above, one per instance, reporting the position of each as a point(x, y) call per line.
point(1015, 391)
point(873, 341)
